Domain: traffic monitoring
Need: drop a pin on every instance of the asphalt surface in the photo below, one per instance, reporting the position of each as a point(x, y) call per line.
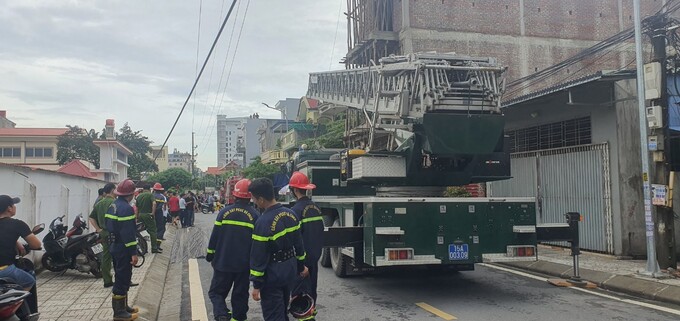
point(481, 295)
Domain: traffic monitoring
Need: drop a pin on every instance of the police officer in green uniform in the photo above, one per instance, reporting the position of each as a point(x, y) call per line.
point(145, 210)
point(98, 221)
point(277, 256)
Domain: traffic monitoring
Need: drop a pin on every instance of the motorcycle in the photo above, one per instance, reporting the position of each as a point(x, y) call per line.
point(206, 208)
point(16, 304)
point(79, 252)
point(142, 246)
point(79, 226)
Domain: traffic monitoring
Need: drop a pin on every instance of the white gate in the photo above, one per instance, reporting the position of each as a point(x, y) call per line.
point(570, 179)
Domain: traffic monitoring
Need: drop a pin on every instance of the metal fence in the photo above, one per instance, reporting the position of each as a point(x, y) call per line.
point(571, 179)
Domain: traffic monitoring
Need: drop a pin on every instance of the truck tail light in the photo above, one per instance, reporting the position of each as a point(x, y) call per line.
point(521, 250)
point(399, 254)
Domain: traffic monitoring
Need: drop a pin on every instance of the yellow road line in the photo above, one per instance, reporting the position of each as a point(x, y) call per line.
point(436, 311)
point(198, 310)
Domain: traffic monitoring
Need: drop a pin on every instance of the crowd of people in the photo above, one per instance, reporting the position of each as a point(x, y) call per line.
point(254, 240)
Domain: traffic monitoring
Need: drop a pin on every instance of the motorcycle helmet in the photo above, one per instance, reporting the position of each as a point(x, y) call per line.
point(302, 307)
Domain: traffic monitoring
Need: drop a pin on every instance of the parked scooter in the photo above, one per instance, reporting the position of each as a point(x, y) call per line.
point(16, 304)
point(79, 252)
point(79, 226)
point(142, 245)
point(206, 208)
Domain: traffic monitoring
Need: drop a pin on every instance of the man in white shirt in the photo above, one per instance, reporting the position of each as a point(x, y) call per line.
point(183, 211)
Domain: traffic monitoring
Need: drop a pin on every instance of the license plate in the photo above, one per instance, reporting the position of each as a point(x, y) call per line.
point(458, 252)
point(97, 249)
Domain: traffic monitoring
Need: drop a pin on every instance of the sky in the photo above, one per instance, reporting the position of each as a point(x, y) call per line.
point(80, 62)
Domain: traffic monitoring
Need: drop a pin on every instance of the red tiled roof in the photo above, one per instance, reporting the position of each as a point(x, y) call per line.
point(32, 131)
point(76, 168)
point(215, 170)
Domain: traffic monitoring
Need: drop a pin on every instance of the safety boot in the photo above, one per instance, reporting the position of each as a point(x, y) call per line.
point(131, 310)
point(120, 313)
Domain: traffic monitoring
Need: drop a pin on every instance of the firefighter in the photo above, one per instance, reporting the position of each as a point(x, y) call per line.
point(277, 256)
point(229, 253)
point(120, 222)
point(157, 208)
point(311, 222)
point(146, 215)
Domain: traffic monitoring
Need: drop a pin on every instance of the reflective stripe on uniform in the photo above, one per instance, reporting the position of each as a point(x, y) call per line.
point(211, 251)
point(238, 223)
point(133, 243)
point(312, 219)
point(277, 235)
point(218, 223)
point(302, 258)
point(308, 318)
point(120, 219)
point(256, 273)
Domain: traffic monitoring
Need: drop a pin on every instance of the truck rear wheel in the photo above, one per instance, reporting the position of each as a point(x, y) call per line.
point(325, 260)
point(338, 260)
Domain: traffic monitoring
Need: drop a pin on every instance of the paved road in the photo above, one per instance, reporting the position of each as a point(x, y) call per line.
point(483, 295)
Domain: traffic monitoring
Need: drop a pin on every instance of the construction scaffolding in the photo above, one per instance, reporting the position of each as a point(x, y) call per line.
point(370, 32)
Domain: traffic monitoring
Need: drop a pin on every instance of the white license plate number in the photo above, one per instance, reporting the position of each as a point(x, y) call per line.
point(97, 249)
point(458, 252)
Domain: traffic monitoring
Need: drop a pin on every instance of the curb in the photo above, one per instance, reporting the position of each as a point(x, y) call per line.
point(618, 283)
point(151, 290)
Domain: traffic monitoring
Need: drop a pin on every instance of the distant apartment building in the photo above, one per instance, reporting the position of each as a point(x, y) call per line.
point(238, 139)
point(179, 160)
point(288, 108)
point(113, 156)
point(162, 157)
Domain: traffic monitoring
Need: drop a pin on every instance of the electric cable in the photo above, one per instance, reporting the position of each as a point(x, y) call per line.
point(212, 48)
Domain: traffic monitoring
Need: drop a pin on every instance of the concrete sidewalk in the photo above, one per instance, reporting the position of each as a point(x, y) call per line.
point(606, 271)
point(72, 295)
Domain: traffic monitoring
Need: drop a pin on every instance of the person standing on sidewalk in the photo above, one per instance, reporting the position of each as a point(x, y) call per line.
point(229, 253)
point(191, 207)
point(120, 222)
point(157, 208)
point(145, 209)
point(173, 207)
point(183, 211)
point(311, 226)
point(277, 256)
point(98, 221)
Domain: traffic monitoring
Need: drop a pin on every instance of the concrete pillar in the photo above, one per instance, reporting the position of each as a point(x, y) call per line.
point(63, 203)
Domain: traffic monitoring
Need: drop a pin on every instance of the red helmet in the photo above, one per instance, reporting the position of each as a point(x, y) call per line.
point(241, 189)
point(299, 180)
point(302, 307)
point(125, 188)
point(158, 187)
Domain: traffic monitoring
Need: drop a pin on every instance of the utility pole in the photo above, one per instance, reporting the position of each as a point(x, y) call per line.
point(652, 264)
point(193, 155)
point(665, 243)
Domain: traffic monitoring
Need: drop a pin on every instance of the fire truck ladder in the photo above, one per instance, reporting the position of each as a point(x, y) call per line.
point(401, 89)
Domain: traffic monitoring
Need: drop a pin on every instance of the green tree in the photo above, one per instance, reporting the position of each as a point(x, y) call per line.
point(77, 143)
point(140, 146)
point(257, 169)
point(456, 191)
point(329, 136)
point(172, 178)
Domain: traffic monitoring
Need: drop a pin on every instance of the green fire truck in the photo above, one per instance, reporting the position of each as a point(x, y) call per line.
point(415, 125)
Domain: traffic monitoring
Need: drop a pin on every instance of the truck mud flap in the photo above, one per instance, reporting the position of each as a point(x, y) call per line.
point(343, 236)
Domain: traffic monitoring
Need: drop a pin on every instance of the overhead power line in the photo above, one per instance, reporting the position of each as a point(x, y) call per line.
point(212, 48)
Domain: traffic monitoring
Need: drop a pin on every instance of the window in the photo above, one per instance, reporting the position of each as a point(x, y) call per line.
point(10, 152)
point(555, 135)
point(39, 152)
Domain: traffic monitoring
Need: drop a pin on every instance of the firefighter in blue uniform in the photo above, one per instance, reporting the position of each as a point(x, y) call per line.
point(277, 255)
point(311, 226)
point(157, 208)
point(229, 253)
point(120, 222)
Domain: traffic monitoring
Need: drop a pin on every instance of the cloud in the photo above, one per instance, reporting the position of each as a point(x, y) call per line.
point(80, 62)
